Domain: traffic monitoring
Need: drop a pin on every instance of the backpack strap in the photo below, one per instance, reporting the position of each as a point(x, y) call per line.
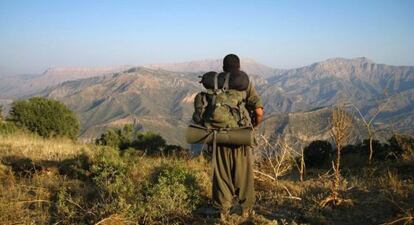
point(216, 90)
point(216, 82)
point(226, 82)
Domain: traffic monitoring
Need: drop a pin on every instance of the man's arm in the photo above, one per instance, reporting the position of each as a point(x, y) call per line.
point(255, 104)
point(259, 112)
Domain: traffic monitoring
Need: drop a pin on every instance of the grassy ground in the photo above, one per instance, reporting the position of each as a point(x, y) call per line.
point(55, 181)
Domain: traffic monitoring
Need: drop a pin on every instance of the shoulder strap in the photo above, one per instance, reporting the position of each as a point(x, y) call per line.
point(216, 90)
point(215, 82)
point(226, 82)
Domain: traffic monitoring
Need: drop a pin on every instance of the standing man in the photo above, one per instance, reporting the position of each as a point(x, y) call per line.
point(233, 165)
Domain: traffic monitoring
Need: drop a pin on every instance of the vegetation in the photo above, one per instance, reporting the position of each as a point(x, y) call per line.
point(318, 153)
point(1, 113)
point(133, 177)
point(48, 181)
point(147, 143)
point(46, 117)
point(59, 181)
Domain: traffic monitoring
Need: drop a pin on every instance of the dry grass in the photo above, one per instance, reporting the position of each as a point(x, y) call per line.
point(38, 148)
point(26, 200)
point(381, 194)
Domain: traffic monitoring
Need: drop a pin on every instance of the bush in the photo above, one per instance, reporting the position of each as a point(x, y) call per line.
point(317, 153)
point(176, 150)
point(171, 190)
point(46, 117)
point(1, 113)
point(150, 142)
point(108, 171)
point(145, 142)
point(117, 138)
point(77, 167)
point(7, 128)
point(406, 144)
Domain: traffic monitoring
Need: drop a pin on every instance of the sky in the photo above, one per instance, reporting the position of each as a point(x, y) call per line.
point(36, 35)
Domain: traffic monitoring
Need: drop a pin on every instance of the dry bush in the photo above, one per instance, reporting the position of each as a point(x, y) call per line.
point(273, 160)
point(340, 133)
point(406, 142)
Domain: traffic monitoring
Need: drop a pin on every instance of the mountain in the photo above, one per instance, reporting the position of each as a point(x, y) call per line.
point(25, 85)
point(299, 129)
point(155, 100)
point(160, 100)
point(358, 81)
point(248, 65)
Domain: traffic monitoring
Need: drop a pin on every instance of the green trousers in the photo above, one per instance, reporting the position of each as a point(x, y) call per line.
point(233, 176)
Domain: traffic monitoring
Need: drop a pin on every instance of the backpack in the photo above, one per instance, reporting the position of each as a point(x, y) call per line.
point(221, 107)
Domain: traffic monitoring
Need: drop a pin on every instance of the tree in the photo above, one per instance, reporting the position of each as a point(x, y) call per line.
point(46, 117)
point(369, 121)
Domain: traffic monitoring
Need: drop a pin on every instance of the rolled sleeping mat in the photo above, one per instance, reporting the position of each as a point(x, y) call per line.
point(235, 136)
point(238, 80)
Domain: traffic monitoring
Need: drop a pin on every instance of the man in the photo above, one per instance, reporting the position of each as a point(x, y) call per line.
point(233, 165)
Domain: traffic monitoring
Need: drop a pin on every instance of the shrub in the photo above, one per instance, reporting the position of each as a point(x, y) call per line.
point(145, 142)
point(406, 143)
point(171, 190)
point(7, 128)
point(176, 150)
point(45, 117)
point(108, 171)
point(150, 142)
point(381, 151)
point(317, 153)
point(68, 208)
point(117, 138)
point(109, 138)
point(1, 113)
point(77, 167)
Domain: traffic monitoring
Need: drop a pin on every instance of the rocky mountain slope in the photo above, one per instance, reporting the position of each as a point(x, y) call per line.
point(155, 100)
point(160, 100)
point(359, 81)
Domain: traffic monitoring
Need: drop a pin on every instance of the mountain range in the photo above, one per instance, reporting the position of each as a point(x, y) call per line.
point(159, 97)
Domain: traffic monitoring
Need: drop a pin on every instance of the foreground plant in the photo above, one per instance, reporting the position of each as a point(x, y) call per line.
point(341, 124)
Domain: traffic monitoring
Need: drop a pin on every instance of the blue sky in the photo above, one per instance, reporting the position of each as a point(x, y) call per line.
point(35, 35)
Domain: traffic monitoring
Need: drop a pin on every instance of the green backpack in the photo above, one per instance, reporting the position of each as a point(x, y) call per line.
point(221, 108)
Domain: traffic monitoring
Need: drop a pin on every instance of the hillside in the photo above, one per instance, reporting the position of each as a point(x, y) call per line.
point(356, 81)
point(299, 129)
point(155, 100)
point(138, 96)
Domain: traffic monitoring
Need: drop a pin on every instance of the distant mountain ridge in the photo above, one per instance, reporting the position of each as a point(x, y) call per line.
point(21, 86)
point(160, 100)
point(248, 65)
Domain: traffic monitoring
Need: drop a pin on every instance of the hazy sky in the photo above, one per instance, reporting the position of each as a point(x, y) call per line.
point(35, 35)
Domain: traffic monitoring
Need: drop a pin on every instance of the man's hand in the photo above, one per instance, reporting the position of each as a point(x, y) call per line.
point(259, 112)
